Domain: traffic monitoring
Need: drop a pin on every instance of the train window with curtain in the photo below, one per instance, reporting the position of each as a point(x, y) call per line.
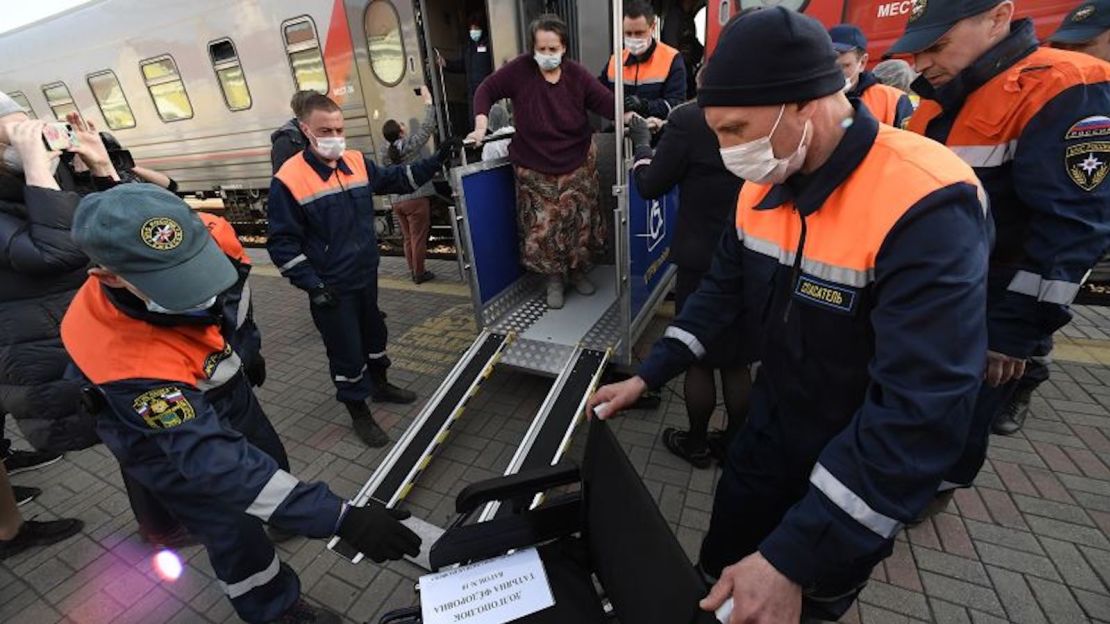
point(109, 96)
point(383, 39)
point(59, 100)
point(229, 72)
point(24, 102)
point(303, 47)
point(166, 88)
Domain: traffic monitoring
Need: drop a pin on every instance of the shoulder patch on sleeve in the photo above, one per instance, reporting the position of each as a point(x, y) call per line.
point(163, 408)
point(1089, 128)
point(1088, 163)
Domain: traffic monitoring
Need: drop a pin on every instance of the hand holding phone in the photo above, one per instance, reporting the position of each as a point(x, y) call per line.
point(59, 136)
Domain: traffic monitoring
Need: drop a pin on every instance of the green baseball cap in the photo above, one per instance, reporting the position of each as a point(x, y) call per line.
point(153, 239)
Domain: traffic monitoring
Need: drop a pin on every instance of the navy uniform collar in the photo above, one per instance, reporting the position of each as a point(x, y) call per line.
point(320, 167)
point(809, 191)
point(865, 82)
point(1020, 43)
point(642, 58)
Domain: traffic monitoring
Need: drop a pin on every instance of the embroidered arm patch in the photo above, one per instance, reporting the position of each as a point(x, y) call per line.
point(163, 408)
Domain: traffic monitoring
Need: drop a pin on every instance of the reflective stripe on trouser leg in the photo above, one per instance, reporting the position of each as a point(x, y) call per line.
point(341, 328)
point(374, 333)
point(236, 543)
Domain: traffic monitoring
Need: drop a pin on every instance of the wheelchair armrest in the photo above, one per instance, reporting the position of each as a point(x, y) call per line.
point(512, 486)
point(493, 538)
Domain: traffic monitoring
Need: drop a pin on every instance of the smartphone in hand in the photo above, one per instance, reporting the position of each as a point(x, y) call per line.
point(59, 136)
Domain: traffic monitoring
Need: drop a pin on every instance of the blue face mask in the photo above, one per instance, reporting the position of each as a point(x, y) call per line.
point(475, 34)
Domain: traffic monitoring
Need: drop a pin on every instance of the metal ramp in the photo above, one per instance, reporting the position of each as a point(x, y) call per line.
point(560, 414)
point(397, 473)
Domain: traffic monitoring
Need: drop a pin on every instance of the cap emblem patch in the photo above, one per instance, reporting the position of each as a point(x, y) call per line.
point(161, 233)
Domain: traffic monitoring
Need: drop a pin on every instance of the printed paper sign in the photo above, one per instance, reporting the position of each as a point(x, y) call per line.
point(490, 592)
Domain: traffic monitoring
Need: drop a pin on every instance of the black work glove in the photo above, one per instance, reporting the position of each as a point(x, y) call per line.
point(323, 297)
point(256, 374)
point(640, 134)
point(633, 104)
point(447, 149)
point(377, 532)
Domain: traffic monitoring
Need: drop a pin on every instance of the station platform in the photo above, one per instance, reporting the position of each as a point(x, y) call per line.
point(1030, 543)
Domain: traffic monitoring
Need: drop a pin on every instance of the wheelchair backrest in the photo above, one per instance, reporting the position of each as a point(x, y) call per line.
point(637, 558)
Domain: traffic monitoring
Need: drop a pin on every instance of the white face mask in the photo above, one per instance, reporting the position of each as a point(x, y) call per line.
point(847, 85)
point(755, 161)
point(329, 148)
point(548, 62)
point(157, 309)
point(636, 46)
point(475, 34)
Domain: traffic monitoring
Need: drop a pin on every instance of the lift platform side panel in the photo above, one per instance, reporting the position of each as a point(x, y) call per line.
point(651, 225)
point(488, 201)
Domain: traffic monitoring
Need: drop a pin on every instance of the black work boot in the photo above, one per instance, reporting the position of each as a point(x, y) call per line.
point(303, 613)
point(366, 428)
point(1012, 416)
point(385, 392)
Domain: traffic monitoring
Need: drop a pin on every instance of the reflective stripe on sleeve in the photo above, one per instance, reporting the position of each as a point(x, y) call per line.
point(1049, 291)
point(273, 494)
point(292, 263)
point(852, 504)
point(691, 341)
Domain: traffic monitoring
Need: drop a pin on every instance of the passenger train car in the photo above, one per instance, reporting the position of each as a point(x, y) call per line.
point(195, 88)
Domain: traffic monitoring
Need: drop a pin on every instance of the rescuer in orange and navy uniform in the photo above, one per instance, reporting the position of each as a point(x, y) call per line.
point(859, 261)
point(889, 105)
point(322, 237)
point(145, 330)
point(654, 73)
point(1034, 123)
point(156, 524)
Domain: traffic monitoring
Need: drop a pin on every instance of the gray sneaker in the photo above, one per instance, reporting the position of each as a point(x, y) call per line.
point(555, 292)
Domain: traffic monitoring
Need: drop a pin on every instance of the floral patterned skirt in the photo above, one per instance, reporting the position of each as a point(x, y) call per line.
point(561, 229)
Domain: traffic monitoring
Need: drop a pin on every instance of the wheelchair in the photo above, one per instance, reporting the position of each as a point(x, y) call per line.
point(609, 554)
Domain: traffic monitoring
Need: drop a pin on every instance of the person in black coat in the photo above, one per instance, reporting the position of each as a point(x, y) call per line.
point(688, 155)
point(288, 140)
point(476, 61)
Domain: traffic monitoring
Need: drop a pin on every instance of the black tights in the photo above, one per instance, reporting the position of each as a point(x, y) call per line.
point(700, 391)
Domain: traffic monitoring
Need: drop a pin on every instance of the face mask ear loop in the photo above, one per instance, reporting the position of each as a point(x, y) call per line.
point(776, 126)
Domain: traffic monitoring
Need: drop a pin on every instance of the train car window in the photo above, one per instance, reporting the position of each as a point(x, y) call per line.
point(303, 47)
point(383, 39)
point(24, 102)
point(229, 72)
point(167, 89)
point(109, 96)
point(59, 100)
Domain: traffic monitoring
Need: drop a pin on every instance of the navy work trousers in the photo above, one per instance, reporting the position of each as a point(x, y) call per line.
point(259, 586)
point(354, 336)
point(766, 472)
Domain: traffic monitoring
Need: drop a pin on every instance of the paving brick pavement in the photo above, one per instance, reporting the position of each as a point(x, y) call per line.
point(1029, 543)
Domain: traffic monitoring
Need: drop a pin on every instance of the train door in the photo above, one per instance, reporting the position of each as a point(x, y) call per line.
point(390, 65)
point(446, 36)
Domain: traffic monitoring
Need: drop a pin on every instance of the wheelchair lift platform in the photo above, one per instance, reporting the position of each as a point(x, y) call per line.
point(573, 344)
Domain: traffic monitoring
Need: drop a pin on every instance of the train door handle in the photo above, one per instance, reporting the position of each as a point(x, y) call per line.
point(412, 64)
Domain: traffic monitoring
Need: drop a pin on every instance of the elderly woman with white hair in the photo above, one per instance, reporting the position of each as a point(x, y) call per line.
point(898, 74)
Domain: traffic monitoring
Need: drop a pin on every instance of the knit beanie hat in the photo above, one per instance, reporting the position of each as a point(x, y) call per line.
point(771, 56)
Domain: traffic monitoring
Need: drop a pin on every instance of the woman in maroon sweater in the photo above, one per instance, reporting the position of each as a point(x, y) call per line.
point(553, 154)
